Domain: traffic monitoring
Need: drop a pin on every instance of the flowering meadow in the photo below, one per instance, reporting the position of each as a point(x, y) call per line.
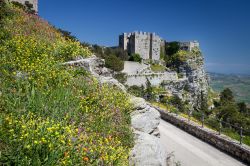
point(51, 114)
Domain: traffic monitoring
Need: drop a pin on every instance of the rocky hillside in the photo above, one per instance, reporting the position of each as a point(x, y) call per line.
point(192, 82)
point(195, 79)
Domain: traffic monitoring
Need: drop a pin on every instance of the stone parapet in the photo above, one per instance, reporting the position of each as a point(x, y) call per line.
point(221, 142)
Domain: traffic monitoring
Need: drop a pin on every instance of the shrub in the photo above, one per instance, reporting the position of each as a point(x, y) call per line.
point(69, 49)
point(114, 63)
point(121, 77)
point(136, 90)
point(177, 102)
point(135, 58)
point(172, 48)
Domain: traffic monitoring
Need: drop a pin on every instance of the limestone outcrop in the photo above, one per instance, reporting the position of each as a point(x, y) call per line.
point(147, 151)
point(144, 118)
point(193, 82)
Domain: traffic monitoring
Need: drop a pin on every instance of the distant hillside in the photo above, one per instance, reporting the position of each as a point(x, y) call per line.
point(239, 84)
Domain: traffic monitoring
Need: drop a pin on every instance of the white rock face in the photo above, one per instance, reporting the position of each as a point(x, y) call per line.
point(138, 103)
point(145, 120)
point(147, 151)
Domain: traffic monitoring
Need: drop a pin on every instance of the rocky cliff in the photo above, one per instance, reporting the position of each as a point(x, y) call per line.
point(192, 83)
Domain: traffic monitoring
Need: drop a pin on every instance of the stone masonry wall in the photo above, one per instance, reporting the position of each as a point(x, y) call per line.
point(156, 47)
point(154, 78)
point(142, 45)
point(147, 45)
point(224, 143)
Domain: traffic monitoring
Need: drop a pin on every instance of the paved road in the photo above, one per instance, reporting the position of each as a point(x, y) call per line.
point(190, 151)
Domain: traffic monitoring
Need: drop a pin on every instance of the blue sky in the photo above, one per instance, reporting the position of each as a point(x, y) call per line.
point(221, 26)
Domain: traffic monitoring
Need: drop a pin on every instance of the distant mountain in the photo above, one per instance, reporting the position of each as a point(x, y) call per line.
point(238, 83)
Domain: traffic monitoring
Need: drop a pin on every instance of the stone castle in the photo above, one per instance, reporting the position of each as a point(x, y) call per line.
point(148, 45)
point(31, 2)
point(189, 46)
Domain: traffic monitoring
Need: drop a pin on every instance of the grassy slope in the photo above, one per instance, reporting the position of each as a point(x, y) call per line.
point(52, 114)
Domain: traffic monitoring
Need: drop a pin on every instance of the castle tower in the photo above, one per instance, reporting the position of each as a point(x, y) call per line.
point(147, 45)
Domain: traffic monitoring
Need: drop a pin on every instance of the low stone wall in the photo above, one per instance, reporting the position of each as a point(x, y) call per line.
point(222, 142)
point(155, 78)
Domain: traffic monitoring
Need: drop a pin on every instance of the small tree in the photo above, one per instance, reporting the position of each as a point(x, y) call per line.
point(149, 90)
point(242, 107)
point(228, 112)
point(177, 102)
point(98, 50)
point(135, 58)
point(203, 103)
point(114, 63)
point(226, 96)
point(136, 90)
point(172, 48)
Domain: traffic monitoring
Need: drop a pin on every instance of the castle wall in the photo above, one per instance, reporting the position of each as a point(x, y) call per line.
point(133, 67)
point(154, 78)
point(147, 45)
point(189, 46)
point(156, 47)
point(142, 45)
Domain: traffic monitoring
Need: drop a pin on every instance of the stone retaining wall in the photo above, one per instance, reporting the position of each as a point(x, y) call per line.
point(222, 142)
point(154, 78)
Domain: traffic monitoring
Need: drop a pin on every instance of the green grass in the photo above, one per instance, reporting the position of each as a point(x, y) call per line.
point(236, 136)
point(158, 68)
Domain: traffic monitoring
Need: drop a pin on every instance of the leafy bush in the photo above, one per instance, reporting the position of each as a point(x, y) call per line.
point(136, 90)
point(135, 58)
point(172, 48)
point(114, 63)
point(176, 60)
point(121, 77)
point(69, 49)
point(178, 103)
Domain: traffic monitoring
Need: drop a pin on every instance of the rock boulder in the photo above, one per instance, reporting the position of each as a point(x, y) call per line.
point(147, 151)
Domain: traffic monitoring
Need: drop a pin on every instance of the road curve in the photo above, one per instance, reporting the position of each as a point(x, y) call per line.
point(190, 151)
